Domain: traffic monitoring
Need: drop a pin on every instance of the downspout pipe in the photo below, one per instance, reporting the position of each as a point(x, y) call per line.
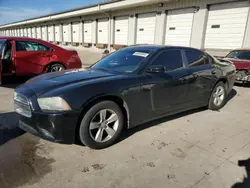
point(110, 32)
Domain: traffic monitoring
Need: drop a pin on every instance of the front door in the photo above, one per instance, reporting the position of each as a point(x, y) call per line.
point(167, 91)
point(30, 57)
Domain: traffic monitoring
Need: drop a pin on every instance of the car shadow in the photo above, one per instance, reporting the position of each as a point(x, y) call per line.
point(9, 127)
point(231, 95)
point(13, 82)
point(246, 180)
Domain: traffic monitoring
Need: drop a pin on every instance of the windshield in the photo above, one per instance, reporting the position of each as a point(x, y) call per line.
point(124, 61)
point(2, 42)
point(239, 55)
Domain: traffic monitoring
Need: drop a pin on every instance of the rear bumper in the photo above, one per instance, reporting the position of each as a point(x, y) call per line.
point(59, 128)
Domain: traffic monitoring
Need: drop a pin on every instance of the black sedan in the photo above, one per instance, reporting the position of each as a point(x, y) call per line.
point(125, 89)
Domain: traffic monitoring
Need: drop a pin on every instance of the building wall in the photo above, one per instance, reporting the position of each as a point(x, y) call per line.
point(198, 33)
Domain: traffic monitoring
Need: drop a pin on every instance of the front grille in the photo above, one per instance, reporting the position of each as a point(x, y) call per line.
point(21, 105)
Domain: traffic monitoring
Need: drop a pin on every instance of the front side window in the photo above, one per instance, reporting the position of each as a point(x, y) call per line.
point(125, 60)
point(171, 59)
point(239, 55)
point(196, 58)
point(2, 44)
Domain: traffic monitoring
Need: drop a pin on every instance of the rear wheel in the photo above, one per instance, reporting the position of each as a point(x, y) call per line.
point(218, 97)
point(101, 125)
point(56, 67)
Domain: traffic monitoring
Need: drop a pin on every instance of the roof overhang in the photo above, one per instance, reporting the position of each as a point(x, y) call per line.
point(92, 9)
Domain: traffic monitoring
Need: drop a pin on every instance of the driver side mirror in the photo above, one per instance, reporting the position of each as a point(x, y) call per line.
point(156, 69)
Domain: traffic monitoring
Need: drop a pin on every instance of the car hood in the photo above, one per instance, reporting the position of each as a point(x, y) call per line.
point(47, 82)
point(239, 63)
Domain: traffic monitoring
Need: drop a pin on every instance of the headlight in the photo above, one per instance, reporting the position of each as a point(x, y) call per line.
point(53, 104)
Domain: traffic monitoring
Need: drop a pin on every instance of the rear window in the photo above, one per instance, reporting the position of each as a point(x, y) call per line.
point(239, 55)
point(125, 60)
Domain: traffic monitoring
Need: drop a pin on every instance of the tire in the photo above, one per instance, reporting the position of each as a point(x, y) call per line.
point(56, 67)
point(218, 97)
point(97, 135)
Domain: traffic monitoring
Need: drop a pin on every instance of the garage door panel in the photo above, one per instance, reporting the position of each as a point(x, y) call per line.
point(50, 33)
point(146, 28)
point(44, 33)
point(226, 21)
point(57, 33)
point(87, 31)
point(102, 31)
point(39, 34)
point(76, 32)
point(121, 30)
point(66, 33)
point(179, 27)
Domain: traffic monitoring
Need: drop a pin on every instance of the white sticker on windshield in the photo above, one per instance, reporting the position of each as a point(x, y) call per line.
point(142, 54)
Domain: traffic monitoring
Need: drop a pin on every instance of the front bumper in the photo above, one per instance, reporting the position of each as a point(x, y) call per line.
point(59, 128)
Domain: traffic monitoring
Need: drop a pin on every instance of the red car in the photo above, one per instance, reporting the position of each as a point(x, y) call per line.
point(23, 56)
point(241, 59)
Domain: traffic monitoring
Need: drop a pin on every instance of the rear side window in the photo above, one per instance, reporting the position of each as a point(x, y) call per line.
point(28, 46)
point(196, 58)
point(171, 59)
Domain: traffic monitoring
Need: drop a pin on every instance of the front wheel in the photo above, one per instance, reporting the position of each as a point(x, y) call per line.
point(218, 97)
point(101, 125)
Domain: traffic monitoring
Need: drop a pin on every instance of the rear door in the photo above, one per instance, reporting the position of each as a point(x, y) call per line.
point(202, 76)
point(30, 57)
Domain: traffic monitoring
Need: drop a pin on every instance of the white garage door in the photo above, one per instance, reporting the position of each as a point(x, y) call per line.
point(87, 31)
point(179, 27)
point(25, 32)
point(44, 32)
point(76, 32)
point(21, 32)
point(51, 33)
point(121, 30)
point(226, 25)
point(102, 31)
point(57, 33)
point(33, 31)
point(38, 33)
point(146, 28)
point(29, 32)
point(66, 33)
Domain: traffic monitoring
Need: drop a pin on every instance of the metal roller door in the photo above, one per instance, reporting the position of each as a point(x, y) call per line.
point(121, 30)
point(29, 32)
point(21, 32)
point(50, 33)
point(66, 33)
point(57, 33)
point(102, 31)
point(44, 32)
point(76, 32)
point(226, 25)
point(33, 32)
point(146, 28)
point(179, 27)
point(25, 32)
point(87, 31)
point(38, 33)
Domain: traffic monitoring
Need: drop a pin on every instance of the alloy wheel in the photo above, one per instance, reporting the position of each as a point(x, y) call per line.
point(219, 95)
point(104, 125)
